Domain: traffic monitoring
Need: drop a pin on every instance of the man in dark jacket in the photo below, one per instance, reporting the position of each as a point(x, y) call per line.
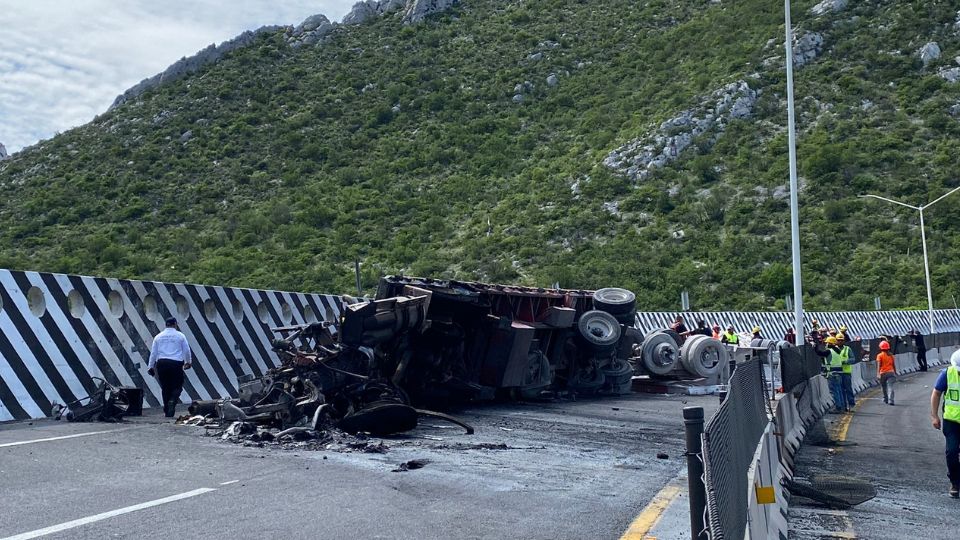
point(921, 349)
point(701, 329)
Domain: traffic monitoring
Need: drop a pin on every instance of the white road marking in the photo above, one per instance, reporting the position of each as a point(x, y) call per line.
point(228, 483)
point(106, 515)
point(19, 443)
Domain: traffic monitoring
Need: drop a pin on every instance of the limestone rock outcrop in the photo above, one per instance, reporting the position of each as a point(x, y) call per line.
point(3, 152)
point(187, 65)
point(418, 10)
point(929, 52)
point(311, 31)
point(640, 157)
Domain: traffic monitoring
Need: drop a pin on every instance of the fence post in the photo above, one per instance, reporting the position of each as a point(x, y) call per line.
point(693, 427)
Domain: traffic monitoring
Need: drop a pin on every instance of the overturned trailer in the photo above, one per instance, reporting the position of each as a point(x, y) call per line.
point(429, 343)
point(482, 341)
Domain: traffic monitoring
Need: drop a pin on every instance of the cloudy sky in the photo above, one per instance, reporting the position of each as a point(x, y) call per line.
point(62, 62)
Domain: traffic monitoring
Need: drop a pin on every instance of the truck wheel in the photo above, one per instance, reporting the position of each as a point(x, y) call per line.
point(614, 301)
point(600, 330)
point(703, 356)
point(538, 377)
point(587, 379)
point(672, 333)
point(618, 378)
point(659, 353)
point(627, 319)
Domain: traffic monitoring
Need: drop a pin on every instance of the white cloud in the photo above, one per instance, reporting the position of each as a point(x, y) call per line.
point(62, 62)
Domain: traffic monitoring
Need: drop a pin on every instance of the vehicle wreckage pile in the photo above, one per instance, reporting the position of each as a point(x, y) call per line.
point(424, 343)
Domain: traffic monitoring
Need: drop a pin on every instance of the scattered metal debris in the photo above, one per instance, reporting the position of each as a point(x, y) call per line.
point(108, 403)
point(411, 465)
point(837, 492)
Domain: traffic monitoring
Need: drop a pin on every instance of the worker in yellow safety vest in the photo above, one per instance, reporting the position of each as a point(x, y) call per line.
point(848, 358)
point(729, 337)
point(948, 386)
point(833, 370)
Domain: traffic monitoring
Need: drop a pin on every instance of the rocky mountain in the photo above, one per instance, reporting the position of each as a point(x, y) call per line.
point(639, 144)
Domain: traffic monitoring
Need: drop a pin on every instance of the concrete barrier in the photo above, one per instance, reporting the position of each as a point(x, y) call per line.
point(794, 414)
point(58, 332)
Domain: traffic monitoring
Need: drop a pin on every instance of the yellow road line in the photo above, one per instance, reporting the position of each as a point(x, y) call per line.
point(651, 515)
point(839, 434)
point(839, 431)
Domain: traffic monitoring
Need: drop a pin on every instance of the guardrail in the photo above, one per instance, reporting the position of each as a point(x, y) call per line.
point(750, 443)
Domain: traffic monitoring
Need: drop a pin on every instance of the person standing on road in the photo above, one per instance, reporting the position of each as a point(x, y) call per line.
point(846, 376)
point(833, 368)
point(921, 349)
point(716, 331)
point(169, 357)
point(755, 334)
point(886, 371)
point(948, 385)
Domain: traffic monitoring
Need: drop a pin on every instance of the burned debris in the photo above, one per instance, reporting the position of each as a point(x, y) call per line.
point(107, 403)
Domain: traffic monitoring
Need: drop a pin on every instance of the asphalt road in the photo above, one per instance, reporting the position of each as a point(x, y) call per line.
point(898, 451)
point(576, 469)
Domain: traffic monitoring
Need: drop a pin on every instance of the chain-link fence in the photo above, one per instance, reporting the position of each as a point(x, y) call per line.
point(729, 441)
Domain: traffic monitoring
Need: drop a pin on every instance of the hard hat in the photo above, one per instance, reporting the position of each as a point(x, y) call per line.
point(843, 328)
point(841, 337)
point(955, 358)
point(756, 329)
point(831, 340)
point(884, 345)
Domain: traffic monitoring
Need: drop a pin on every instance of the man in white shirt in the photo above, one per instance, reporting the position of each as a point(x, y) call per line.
point(169, 357)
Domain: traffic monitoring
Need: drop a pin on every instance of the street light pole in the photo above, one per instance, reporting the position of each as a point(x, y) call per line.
point(923, 237)
point(926, 271)
point(794, 210)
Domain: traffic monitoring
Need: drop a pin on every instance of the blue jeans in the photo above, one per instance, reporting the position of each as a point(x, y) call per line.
point(846, 382)
point(836, 391)
point(951, 430)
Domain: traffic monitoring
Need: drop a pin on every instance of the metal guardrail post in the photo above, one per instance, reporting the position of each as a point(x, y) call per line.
point(693, 428)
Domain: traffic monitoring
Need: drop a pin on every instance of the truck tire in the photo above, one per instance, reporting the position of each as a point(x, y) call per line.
point(659, 353)
point(538, 377)
point(627, 319)
point(672, 333)
point(599, 330)
point(703, 356)
point(773, 350)
point(586, 380)
point(615, 301)
point(618, 378)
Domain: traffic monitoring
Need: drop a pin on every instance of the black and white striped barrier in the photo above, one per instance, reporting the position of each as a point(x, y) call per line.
point(58, 332)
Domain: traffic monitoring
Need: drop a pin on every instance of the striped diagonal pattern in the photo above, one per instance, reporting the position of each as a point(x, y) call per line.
point(58, 332)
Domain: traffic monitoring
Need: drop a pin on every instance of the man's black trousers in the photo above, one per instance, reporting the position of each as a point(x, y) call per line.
point(170, 375)
point(922, 359)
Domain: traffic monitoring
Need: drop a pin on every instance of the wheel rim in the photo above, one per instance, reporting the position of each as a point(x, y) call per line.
point(709, 358)
point(600, 328)
point(664, 355)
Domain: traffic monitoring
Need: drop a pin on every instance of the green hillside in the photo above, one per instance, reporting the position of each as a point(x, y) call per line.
point(405, 146)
